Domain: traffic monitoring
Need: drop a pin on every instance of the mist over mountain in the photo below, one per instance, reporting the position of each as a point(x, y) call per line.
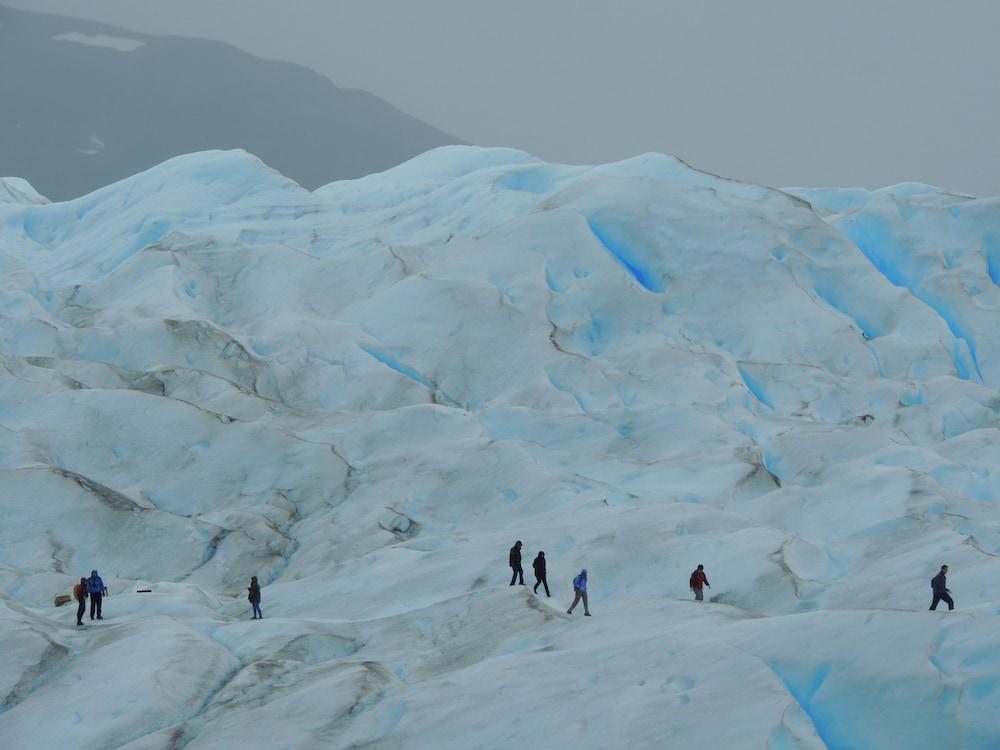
point(87, 104)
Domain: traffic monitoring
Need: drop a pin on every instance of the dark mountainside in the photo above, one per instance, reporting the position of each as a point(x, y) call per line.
point(77, 116)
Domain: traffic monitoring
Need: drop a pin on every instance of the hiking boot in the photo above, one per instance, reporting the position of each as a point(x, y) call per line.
point(586, 614)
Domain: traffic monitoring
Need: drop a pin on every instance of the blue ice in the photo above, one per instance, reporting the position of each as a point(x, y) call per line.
point(755, 387)
point(621, 252)
point(394, 364)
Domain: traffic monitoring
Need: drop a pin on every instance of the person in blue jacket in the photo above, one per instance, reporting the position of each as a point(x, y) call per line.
point(97, 591)
point(580, 589)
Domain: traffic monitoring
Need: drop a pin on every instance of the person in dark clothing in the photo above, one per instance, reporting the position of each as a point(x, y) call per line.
point(515, 563)
point(254, 597)
point(80, 594)
point(97, 591)
point(539, 566)
point(939, 585)
point(698, 581)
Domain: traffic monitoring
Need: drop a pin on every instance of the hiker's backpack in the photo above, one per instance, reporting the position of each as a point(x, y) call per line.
point(693, 580)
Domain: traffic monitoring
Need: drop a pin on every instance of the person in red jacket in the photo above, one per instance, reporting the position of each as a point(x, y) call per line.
point(698, 581)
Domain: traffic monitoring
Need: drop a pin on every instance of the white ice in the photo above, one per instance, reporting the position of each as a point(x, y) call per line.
point(365, 394)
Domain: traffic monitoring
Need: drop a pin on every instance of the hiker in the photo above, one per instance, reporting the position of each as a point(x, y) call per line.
point(97, 591)
point(539, 566)
point(580, 589)
point(939, 585)
point(515, 563)
point(254, 597)
point(80, 594)
point(698, 581)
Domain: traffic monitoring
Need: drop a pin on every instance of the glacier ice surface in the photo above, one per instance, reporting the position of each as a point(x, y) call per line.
point(365, 393)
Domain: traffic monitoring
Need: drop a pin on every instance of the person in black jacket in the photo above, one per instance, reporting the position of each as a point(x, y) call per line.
point(515, 563)
point(939, 584)
point(539, 566)
point(254, 596)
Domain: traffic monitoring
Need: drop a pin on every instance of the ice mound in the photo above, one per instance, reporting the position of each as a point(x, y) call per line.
point(19, 191)
point(364, 394)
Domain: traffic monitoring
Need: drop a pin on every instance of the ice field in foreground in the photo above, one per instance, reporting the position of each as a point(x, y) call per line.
point(366, 393)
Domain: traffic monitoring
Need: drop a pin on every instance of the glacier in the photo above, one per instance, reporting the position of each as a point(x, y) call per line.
point(364, 394)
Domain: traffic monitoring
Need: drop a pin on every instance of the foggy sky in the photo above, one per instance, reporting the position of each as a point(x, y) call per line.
point(782, 92)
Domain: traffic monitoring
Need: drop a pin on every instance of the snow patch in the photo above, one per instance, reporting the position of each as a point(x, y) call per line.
point(118, 43)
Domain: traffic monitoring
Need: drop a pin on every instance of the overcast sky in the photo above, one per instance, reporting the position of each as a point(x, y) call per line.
point(783, 92)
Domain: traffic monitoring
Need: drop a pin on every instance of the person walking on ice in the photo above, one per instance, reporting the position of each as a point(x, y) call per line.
point(580, 591)
point(97, 591)
point(698, 581)
point(939, 585)
point(80, 594)
point(539, 566)
point(515, 563)
point(254, 597)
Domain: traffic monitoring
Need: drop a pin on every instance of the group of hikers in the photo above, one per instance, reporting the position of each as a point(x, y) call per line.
point(94, 589)
point(579, 583)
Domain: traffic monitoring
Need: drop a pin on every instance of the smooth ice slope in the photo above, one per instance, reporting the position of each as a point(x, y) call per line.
point(364, 394)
